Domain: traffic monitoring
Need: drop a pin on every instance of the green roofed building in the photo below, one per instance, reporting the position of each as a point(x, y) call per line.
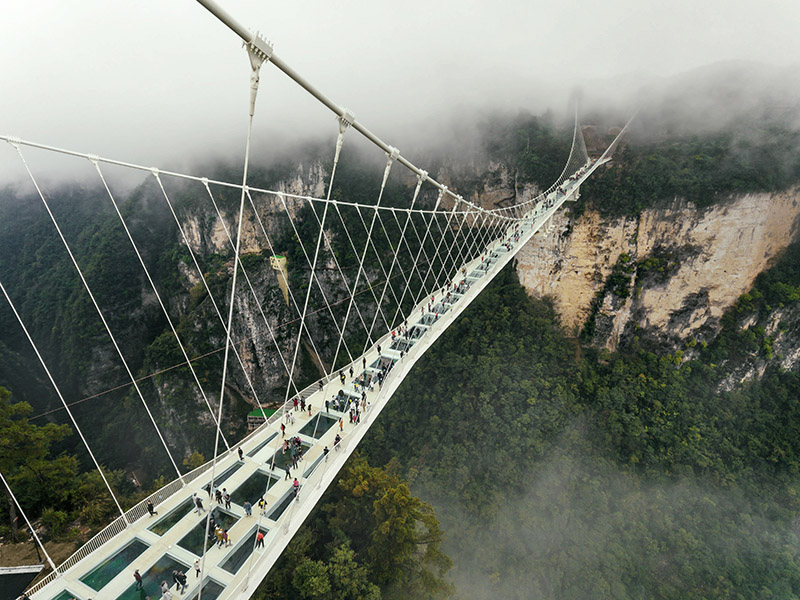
point(257, 417)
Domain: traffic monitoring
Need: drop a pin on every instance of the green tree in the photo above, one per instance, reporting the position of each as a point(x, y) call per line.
point(349, 579)
point(311, 579)
point(24, 449)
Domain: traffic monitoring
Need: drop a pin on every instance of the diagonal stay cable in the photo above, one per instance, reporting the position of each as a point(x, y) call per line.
point(389, 160)
point(313, 275)
point(64, 402)
point(288, 287)
point(250, 286)
point(205, 281)
point(155, 291)
point(99, 312)
point(395, 255)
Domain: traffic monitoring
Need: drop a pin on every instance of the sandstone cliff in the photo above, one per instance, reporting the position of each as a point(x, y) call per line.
point(706, 259)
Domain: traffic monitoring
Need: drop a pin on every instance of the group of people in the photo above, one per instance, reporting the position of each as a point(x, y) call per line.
point(295, 448)
point(222, 496)
point(300, 403)
point(178, 579)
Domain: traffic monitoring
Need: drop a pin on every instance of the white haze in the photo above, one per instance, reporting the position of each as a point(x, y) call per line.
point(162, 82)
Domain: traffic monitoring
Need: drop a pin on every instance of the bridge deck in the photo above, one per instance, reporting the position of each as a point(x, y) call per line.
point(173, 539)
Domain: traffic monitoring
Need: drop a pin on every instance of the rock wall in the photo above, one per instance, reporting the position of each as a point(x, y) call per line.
point(717, 254)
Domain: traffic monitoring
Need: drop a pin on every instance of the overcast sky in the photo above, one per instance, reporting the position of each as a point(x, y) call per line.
point(163, 82)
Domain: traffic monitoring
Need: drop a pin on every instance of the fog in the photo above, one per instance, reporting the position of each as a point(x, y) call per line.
point(581, 527)
point(165, 83)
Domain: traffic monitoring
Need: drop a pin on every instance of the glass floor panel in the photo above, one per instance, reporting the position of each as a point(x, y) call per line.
point(235, 561)
point(67, 595)
point(279, 460)
point(317, 426)
point(164, 524)
point(256, 450)
point(98, 577)
point(211, 590)
point(152, 578)
point(253, 488)
point(193, 541)
point(225, 475)
point(281, 506)
point(313, 466)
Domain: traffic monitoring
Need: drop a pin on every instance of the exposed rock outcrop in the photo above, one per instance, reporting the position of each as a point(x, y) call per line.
point(716, 254)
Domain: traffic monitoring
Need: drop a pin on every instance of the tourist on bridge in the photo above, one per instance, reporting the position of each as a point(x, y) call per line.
point(295, 403)
point(218, 495)
point(150, 508)
point(296, 488)
point(288, 472)
point(364, 362)
point(336, 441)
point(182, 581)
point(260, 540)
point(341, 376)
point(351, 371)
point(241, 454)
point(197, 568)
point(227, 498)
point(327, 406)
point(176, 580)
point(283, 429)
point(138, 579)
point(303, 404)
point(198, 503)
point(325, 453)
point(248, 508)
point(262, 505)
point(225, 538)
point(165, 593)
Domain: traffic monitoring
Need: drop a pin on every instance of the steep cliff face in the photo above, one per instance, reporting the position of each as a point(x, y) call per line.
point(669, 273)
point(207, 233)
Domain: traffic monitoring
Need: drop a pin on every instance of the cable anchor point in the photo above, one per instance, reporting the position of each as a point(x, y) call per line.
point(442, 192)
point(345, 119)
point(259, 51)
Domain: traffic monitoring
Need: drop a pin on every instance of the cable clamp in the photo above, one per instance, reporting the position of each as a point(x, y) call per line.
point(393, 153)
point(93, 158)
point(259, 49)
point(442, 191)
point(346, 119)
point(422, 176)
point(14, 141)
point(154, 172)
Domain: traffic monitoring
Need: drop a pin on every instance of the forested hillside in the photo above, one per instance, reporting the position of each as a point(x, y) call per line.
point(559, 472)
